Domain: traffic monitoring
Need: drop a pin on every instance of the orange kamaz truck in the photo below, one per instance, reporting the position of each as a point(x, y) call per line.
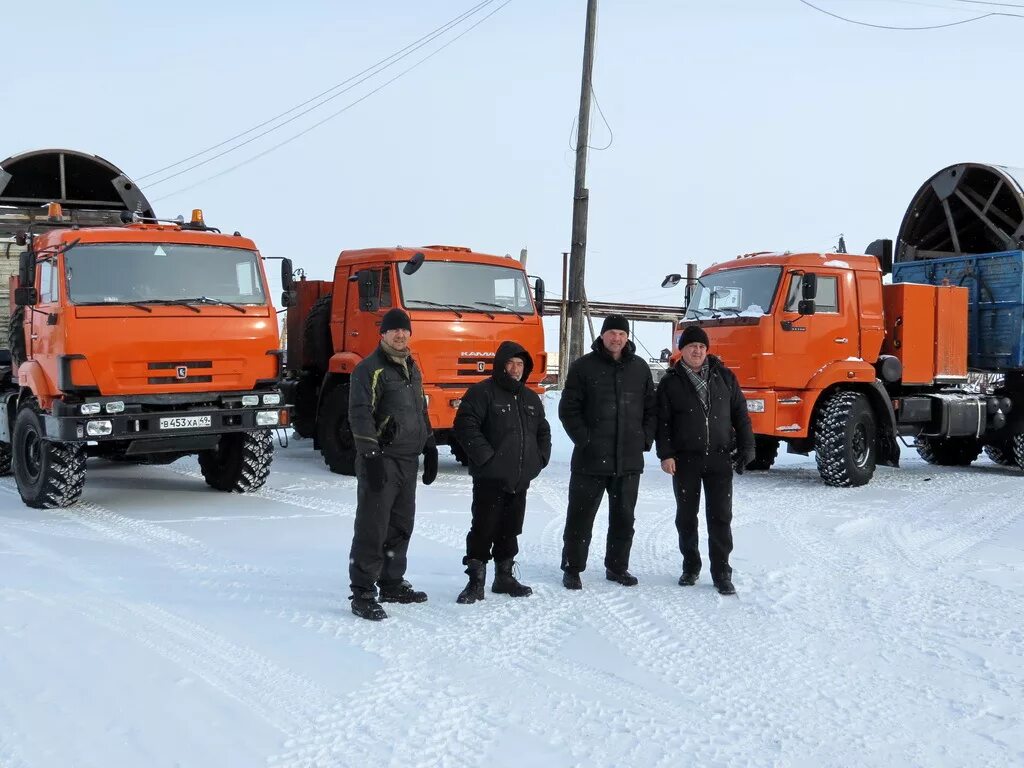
point(130, 338)
point(463, 304)
point(833, 359)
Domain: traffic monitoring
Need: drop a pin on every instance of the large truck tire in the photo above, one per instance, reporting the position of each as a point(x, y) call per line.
point(240, 463)
point(304, 407)
point(1001, 454)
point(948, 451)
point(844, 440)
point(49, 474)
point(1018, 449)
point(5, 459)
point(316, 334)
point(16, 336)
point(334, 435)
point(766, 450)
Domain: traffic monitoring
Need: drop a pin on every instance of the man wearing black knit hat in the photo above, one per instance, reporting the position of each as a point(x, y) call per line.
point(390, 426)
point(608, 411)
point(700, 406)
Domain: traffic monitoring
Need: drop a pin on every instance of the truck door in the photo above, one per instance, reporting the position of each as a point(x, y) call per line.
point(362, 320)
point(44, 326)
point(806, 343)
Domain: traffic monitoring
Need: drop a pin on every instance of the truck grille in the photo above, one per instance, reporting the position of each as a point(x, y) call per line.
point(181, 372)
point(475, 366)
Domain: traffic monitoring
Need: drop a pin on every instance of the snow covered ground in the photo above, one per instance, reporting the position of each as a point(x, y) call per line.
point(158, 623)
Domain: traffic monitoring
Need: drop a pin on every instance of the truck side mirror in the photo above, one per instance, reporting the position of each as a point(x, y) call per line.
point(538, 295)
point(671, 281)
point(809, 287)
point(882, 250)
point(805, 307)
point(286, 299)
point(369, 289)
point(413, 264)
point(687, 293)
point(26, 296)
point(27, 269)
point(286, 274)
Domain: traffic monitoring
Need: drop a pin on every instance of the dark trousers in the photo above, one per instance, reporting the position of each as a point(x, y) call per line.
point(585, 494)
point(715, 472)
point(497, 522)
point(383, 526)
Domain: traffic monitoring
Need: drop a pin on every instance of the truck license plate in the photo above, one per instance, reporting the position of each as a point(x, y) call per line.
point(185, 422)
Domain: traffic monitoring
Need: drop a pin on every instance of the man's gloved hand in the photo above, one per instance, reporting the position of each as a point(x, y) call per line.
point(744, 458)
point(376, 472)
point(429, 463)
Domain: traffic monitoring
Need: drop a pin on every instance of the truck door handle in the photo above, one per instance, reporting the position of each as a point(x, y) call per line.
point(841, 340)
point(353, 333)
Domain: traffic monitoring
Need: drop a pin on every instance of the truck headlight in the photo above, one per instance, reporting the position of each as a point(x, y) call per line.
point(267, 418)
point(90, 409)
point(250, 399)
point(115, 406)
point(755, 405)
point(273, 399)
point(98, 428)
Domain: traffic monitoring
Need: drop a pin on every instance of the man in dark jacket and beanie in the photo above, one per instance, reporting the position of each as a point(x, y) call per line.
point(700, 408)
point(500, 425)
point(608, 411)
point(390, 426)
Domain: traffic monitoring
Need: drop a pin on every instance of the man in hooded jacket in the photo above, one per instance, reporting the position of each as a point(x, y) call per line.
point(608, 411)
point(501, 426)
point(700, 408)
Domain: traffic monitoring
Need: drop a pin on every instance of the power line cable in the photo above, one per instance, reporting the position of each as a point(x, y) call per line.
point(344, 109)
point(369, 72)
point(907, 29)
point(983, 2)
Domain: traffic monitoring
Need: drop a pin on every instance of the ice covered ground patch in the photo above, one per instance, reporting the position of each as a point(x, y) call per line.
point(159, 623)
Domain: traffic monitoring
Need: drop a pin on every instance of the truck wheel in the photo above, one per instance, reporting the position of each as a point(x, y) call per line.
point(304, 407)
point(1018, 449)
point(316, 334)
point(1001, 454)
point(334, 434)
point(49, 474)
point(844, 440)
point(240, 463)
point(766, 449)
point(16, 336)
point(5, 459)
point(948, 451)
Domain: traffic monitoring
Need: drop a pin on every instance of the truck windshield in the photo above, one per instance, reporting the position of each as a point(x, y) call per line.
point(440, 285)
point(747, 291)
point(121, 273)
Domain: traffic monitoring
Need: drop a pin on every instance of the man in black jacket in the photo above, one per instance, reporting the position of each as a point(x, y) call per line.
point(608, 411)
point(700, 407)
point(390, 426)
point(500, 425)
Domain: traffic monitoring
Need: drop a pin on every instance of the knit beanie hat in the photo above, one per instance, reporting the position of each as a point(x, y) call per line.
point(615, 323)
point(693, 334)
point(395, 319)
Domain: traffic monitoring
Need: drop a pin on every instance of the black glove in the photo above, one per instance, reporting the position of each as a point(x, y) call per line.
point(744, 458)
point(376, 472)
point(429, 463)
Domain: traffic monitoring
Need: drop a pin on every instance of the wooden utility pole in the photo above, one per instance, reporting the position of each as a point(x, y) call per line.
point(581, 196)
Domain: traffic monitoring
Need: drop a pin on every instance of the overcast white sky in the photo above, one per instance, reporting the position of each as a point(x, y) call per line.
point(739, 125)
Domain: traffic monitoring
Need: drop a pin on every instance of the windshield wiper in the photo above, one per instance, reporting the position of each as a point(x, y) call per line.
point(435, 304)
point(136, 304)
point(726, 309)
point(502, 307)
point(175, 302)
point(219, 302)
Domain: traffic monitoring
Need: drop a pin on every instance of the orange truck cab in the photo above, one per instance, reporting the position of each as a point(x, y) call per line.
point(130, 338)
point(462, 305)
point(832, 360)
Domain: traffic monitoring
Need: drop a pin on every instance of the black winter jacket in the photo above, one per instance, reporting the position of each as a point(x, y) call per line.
point(608, 410)
point(501, 425)
point(386, 407)
point(683, 425)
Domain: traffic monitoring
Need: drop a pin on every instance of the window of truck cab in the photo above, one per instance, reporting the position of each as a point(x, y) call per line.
point(113, 273)
point(825, 301)
point(732, 292)
point(466, 287)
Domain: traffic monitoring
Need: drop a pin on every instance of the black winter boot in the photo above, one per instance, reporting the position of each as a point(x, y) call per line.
point(625, 578)
point(723, 582)
point(474, 590)
point(402, 592)
point(505, 583)
point(572, 580)
point(365, 606)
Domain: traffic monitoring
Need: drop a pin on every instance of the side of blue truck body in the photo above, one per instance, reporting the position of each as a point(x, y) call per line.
point(996, 303)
